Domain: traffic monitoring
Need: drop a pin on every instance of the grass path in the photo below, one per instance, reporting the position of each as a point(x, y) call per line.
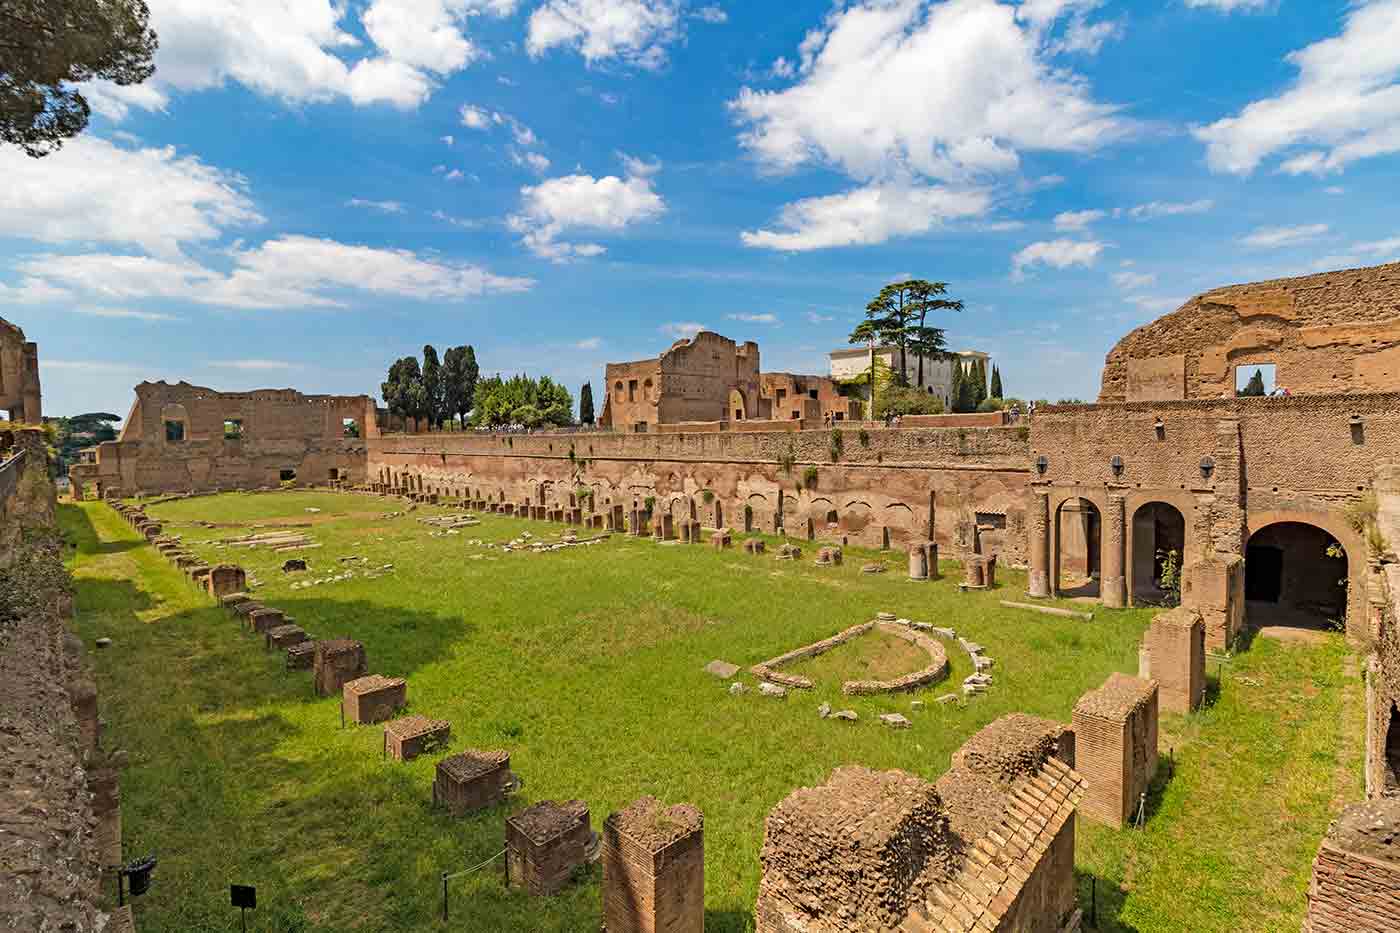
point(587, 665)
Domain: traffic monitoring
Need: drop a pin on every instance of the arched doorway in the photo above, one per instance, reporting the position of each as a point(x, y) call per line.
point(1391, 768)
point(1159, 543)
point(737, 406)
point(1077, 557)
point(1295, 575)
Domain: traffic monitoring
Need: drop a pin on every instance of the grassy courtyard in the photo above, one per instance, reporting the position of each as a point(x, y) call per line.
point(587, 665)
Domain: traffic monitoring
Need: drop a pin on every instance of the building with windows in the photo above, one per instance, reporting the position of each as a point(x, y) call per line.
point(937, 374)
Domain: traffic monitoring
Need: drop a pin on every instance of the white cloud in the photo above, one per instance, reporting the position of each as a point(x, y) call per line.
point(947, 90)
point(293, 50)
point(288, 272)
point(449, 139)
point(589, 343)
point(455, 174)
point(763, 318)
point(1388, 248)
point(33, 291)
point(387, 207)
point(474, 117)
point(712, 14)
point(863, 216)
point(465, 223)
point(782, 68)
point(124, 313)
point(1229, 6)
point(1334, 189)
point(252, 365)
point(93, 191)
point(1170, 208)
point(1077, 220)
point(558, 206)
point(1154, 304)
point(634, 32)
point(1274, 237)
point(679, 329)
point(815, 318)
point(1343, 106)
point(1057, 254)
point(1132, 281)
point(531, 160)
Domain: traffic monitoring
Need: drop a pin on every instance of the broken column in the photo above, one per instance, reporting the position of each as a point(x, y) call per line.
point(1038, 519)
point(1176, 650)
point(473, 780)
point(545, 843)
point(1113, 587)
point(918, 562)
point(1214, 587)
point(721, 539)
point(654, 869)
point(373, 698)
point(337, 662)
point(1115, 730)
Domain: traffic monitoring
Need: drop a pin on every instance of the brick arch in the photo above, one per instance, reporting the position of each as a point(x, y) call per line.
point(1097, 496)
point(1336, 526)
point(1184, 502)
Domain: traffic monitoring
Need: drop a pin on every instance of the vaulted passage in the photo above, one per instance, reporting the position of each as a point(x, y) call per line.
point(1077, 561)
point(1392, 751)
point(1159, 542)
point(1295, 575)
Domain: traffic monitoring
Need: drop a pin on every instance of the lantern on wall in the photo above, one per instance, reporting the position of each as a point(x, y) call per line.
point(1117, 464)
point(1042, 463)
point(1207, 466)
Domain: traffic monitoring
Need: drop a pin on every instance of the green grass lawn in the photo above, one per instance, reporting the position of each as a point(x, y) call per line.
point(587, 664)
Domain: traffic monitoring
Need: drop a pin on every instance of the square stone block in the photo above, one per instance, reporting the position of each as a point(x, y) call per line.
point(407, 738)
point(337, 661)
point(654, 869)
point(284, 636)
point(472, 780)
point(225, 579)
point(1115, 730)
point(545, 843)
point(263, 620)
point(374, 698)
point(301, 656)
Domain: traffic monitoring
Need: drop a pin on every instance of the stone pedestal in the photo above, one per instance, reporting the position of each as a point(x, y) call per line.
point(1176, 647)
point(721, 539)
point(918, 562)
point(407, 738)
point(473, 780)
point(225, 579)
point(754, 546)
point(1356, 876)
point(373, 699)
point(284, 636)
point(1214, 587)
point(1115, 729)
point(931, 558)
point(545, 843)
point(337, 662)
point(1113, 587)
point(301, 656)
point(264, 620)
point(654, 869)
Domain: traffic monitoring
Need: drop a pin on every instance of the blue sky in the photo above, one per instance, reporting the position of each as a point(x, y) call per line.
point(310, 189)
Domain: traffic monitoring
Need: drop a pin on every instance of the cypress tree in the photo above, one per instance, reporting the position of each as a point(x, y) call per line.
point(955, 385)
point(979, 384)
point(996, 382)
point(585, 404)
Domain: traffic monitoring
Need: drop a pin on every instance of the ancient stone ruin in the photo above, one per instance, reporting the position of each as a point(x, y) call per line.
point(989, 847)
point(473, 780)
point(1356, 875)
point(1174, 655)
point(374, 698)
point(545, 843)
point(654, 869)
point(1115, 730)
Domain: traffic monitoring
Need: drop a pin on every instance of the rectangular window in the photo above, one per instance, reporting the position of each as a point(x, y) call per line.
point(288, 476)
point(782, 394)
point(335, 473)
point(796, 413)
point(811, 393)
point(174, 431)
point(1256, 379)
point(840, 416)
point(349, 427)
point(233, 429)
point(991, 520)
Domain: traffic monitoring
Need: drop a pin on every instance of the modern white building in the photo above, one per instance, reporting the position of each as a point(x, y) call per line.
point(849, 362)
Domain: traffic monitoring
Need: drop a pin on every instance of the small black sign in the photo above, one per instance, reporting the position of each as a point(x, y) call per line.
point(243, 895)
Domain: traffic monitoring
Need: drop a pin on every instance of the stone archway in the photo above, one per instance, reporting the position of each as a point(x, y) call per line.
point(1390, 768)
point(1078, 558)
point(738, 407)
point(1297, 574)
point(1156, 537)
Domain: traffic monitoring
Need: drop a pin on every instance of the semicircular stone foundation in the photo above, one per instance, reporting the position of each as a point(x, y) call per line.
point(936, 670)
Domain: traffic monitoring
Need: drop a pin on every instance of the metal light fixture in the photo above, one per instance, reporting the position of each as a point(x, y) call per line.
point(1160, 427)
point(1356, 421)
point(1042, 463)
point(1117, 464)
point(138, 873)
point(1207, 465)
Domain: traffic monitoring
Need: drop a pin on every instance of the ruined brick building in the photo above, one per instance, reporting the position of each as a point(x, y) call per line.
point(19, 376)
point(180, 437)
point(710, 378)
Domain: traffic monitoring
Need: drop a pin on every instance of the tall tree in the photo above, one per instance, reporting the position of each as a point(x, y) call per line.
point(979, 386)
point(955, 385)
point(996, 382)
point(585, 403)
point(402, 387)
point(1255, 386)
point(434, 390)
point(46, 46)
point(927, 341)
point(459, 375)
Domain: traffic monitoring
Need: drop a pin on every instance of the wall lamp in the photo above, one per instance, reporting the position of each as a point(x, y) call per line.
point(1117, 464)
point(1356, 421)
point(1042, 463)
point(1207, 466)
point(1160, 427)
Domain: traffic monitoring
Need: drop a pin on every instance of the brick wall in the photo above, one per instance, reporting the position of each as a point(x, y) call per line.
point(1355, 884)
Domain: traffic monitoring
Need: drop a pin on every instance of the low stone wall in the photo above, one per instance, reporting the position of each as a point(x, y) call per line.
point(936, 670)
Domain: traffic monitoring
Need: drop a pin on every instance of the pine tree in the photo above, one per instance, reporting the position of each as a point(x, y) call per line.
point(585, 404)
point(979, 383)
point(955, 384)
point(996, 382)
point(1255, 386)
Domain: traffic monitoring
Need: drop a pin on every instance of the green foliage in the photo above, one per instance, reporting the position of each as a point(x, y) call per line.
point(585, 404)
point(907, 400)
point(708, 495)
point(521, 400)
point(1071, 401)
point(809, 477)
point(788, 458)
point(402, 390)
point(69, 436)
point(864, 437)
point(898, 316)
point(459, 377)
point(838, 444)
point(1255, 386)
point(1170, 562)
point(49, 46)
point(648, 504)
point(434, 394)
point(996, 382)
point(1360, 513)
point(991, 404)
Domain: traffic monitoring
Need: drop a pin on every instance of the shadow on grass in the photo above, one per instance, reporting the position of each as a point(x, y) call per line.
point(1102, 901)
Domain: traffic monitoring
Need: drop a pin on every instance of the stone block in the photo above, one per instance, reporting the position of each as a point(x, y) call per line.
point(1176, 649)
point(754, 546)
point(1355, 884)
point(918, 562)
point(721, 539)
point(1115, 731)
point(337, 662)
point(301, 656)
point(654, 869)
point(545, 843)
point(373, 698)
point(264, 620)
point(407, 738)
point(722, 669)
point(283, 637)
point(473, 780)
point(226, 579)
